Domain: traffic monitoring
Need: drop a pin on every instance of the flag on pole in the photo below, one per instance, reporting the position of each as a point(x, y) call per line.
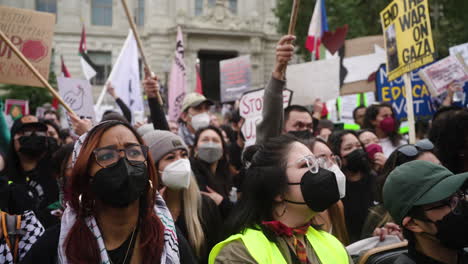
point(88, 67)
point(318, 25)
point(125, 75)
point(198, 88)
point(64, 69)
point(177, 79)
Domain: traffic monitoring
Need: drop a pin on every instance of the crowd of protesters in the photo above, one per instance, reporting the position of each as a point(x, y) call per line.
point(191, 191)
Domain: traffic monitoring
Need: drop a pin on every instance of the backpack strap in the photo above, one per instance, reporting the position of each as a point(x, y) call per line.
point(11, 227)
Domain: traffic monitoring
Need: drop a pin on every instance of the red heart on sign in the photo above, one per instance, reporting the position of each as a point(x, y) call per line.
point(34, 50)
point(335, 40)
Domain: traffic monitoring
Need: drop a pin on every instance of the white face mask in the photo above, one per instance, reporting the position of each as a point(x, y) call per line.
point(177, 175)
point(340, 179)
point(200, 121)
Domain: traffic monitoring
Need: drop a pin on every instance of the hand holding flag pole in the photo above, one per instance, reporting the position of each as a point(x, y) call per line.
point(140, 46)
point(35, 72)
point(292, 23)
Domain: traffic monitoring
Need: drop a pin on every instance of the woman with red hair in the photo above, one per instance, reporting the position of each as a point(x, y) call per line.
point(114, 215)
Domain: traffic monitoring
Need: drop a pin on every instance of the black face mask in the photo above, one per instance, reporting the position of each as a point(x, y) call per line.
point(32, 146)
point(53, 144)
point(120, 184)
point(452, 230)
point(357, 161)
point(303, 134)
point(320, 190)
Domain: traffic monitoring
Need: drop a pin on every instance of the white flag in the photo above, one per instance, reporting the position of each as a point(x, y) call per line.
point(177, 80)
point(125, 75)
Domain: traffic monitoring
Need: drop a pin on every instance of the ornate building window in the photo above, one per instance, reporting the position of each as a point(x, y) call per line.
point(233, 6)
point(103, 62)
point(199, 4)
point(47, 6)
point(140, 13)
point(101, 12)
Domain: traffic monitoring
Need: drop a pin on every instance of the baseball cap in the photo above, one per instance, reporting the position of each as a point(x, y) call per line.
point(418, 183)
point(26, 122)
point(194, 100)
point(161, 142)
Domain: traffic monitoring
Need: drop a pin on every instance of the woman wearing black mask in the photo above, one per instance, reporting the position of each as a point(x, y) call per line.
point(115, 215)
point(210, 164)
point(360, 180)
point(28, 165)
point(283, 190)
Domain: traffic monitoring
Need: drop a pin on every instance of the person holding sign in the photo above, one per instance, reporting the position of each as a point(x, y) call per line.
point(381, 119)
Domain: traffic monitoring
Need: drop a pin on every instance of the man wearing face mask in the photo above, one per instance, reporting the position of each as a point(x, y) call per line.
point(429, 202)
point(194, 116)
point(298, 121)
point(28, 165)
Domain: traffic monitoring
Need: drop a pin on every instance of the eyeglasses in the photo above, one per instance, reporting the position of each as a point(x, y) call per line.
point(310, 161)
point(413, 150)
point(110, 155)
point(28, 133)
point(451, 202)
point(326, 162)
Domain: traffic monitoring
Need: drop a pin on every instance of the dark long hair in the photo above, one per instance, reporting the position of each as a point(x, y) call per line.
point(371, 115)
point(265, 179)
point(336, 139)
point(81, 245)
point(449, 133)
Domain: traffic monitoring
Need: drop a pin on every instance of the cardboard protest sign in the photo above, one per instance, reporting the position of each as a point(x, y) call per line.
point(15, 109)
point(441, 74)
point(462, 50)
point(251, 107)
point(78, 95)
point(408, 36)
point(31, 32)
point(312, 80)
point(235, 77)
point(394, 92)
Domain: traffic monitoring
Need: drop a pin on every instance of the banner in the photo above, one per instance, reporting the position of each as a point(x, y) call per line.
point(408, 36)
point(235, 77)
point(177, 80)
point(441, 74)
point(462, 50)
point(251, 107)
point(78, 94)
point(31, 32)
point(312, 80)
point(125, 75)
point(393, 92)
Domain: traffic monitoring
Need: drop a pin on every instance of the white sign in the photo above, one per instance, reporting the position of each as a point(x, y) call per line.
point(460, 49)
point(441, 74)
point(312, 80)
point(251, 107)
point(78, 95)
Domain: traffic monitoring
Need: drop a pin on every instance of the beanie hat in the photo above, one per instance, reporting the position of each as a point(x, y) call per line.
point(161, 142)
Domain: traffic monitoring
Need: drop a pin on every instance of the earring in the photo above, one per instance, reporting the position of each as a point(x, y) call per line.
point(151, 184)
point(283, 212)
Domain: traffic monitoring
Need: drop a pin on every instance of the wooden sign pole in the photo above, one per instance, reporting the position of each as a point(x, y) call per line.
point(35, 72)
point(292, 23)
point(410, 107)
point(140, 46)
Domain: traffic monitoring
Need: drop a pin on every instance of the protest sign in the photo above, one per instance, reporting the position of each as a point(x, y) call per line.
point(312, 80)
point(394, 93)
point(31, 32)
point(15, 109)
point(408, 36)
point(441, 74)
point(78, 95)
point(462, 50)
point(251, 107)
point(235, 77)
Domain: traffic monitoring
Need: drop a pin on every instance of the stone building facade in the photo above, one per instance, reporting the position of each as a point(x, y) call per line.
point(212, 29)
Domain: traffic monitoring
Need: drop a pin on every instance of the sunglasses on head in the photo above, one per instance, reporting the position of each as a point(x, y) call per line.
point(411, 150)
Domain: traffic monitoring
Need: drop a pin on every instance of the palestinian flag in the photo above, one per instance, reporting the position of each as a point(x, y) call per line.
point(89, 68)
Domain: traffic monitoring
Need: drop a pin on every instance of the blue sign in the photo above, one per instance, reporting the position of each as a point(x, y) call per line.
point(394, 94)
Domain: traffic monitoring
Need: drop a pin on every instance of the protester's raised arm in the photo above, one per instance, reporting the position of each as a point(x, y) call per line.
point(158, 116)
point(272, 123)
point(125, 110)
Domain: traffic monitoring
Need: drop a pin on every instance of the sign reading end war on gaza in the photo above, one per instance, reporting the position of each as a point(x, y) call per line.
point(31, 32)
point(408, 36)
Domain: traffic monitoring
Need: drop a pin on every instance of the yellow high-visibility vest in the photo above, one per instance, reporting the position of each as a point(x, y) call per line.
point(328, 249)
